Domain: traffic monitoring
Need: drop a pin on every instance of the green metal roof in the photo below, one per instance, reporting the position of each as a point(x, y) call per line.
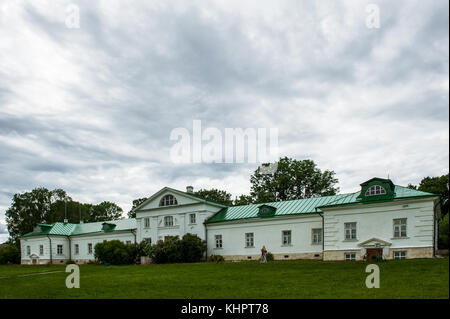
point(305, 206)
point(68, 229)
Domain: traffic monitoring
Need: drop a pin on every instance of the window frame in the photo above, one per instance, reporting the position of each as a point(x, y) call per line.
point(402, 254)
point(375, 190)
point(249, 238)
point(59, 249)
point(77, 249)
point(166, 223)
point(41, 250)
point(28, 250)
point(90, 248)
point(286, 234)
point(192, 218)
point(218, 240)
point(319, 242)
point(351, 254)
point(352, 231)
point(148, 240)
point(168, 200)
point(399, 226)
point(146, 222)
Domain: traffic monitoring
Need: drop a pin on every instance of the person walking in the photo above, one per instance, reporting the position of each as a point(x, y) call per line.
point(263, 254)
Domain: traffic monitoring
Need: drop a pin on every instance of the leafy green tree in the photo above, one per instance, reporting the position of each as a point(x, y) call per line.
point(193, 248)
point(29, 208)
point(136, 203)
point(220, 196)
point(243, 200)
point(105, 211)
point(437, 185)
point(293, 179)
point(9, 254)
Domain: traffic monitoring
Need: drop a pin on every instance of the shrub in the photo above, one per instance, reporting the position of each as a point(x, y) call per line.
point(10, 254)
point(216, 258)
point(173, 250)
point(114, 252)
point(193, 248)
point(443, 233)
point(269, 257)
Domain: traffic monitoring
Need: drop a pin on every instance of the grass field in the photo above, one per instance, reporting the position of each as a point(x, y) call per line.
point(419, 278)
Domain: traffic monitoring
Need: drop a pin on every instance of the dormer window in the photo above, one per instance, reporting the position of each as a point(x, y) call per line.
point(168, 200)
point(375, 190)
point(266, 211)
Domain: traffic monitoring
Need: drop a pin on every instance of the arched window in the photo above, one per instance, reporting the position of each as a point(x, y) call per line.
point(168, 200)
point(375, 190)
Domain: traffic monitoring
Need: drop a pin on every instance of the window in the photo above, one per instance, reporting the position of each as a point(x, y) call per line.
point(350, 231)
point(77, 249)
point(218, 241)
point(400, 254)
point(375, 190)
point(148, 240)
point(192, 218)
point(317, 236)
point(146, 222)
point(168, 200)
point(59, 249)
point(286, 237)
point(400, 228)
point(90, 248)
point(168, 221)
point(28, 250)
point(349, 256)
point(249, 240)
point(41, 250)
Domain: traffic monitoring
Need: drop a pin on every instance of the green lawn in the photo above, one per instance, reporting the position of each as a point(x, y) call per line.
point(419, 278)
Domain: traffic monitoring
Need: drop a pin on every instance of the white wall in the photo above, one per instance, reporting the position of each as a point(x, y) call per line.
point(266, 232)
point(35, 242)
point(376, 220)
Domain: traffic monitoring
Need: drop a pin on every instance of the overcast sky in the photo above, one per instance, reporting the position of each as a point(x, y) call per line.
point(90, 109)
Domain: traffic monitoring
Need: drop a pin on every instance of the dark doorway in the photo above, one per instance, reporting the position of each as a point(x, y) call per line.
point(374, 254)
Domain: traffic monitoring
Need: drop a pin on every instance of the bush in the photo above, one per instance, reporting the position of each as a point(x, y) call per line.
point(216, 258)
point(269, 257)
point(173, 250)
point(114, 252)
point(10, 254)
point(443, 233)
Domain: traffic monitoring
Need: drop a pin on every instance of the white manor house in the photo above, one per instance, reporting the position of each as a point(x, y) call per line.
point(382, 220)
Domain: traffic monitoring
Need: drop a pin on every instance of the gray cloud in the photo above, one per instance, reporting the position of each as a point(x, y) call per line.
point(91, 109)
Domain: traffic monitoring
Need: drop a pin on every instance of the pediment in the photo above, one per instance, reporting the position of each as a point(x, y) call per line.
point(374, 242)
point(182, 198)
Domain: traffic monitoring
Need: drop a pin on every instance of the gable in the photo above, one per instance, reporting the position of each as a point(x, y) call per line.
point(377, 189)
point(182, 198)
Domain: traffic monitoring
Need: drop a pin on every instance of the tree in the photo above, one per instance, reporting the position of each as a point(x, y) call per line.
point(437, 185)
point(136, 203)
point(30, 208)
point(293, 179)
point(220, 196)
point(243, 200)
point(443, 233)
point(105, 211)
point(9, 254)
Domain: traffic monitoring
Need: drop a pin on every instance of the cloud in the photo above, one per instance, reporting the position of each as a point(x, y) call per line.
point(90, 110)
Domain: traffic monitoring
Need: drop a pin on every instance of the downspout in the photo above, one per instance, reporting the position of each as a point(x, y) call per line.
point(206, 240)
point(70, 248)
point(51, 252)
point(323, 232)
point(435, 231)
point(133, 231)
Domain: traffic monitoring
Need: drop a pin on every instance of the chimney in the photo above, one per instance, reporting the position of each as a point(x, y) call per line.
point(189, 189)
point(66, 220)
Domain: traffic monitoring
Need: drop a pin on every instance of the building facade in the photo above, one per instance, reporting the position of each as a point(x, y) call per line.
point(381, 220)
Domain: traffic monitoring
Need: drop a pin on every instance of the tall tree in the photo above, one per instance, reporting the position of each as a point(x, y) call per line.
point(436, 185)
point(293, 179)
point(243, 200)
point(105, 211)
point(136, 203)
point(29, 208)
point(220, 196)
